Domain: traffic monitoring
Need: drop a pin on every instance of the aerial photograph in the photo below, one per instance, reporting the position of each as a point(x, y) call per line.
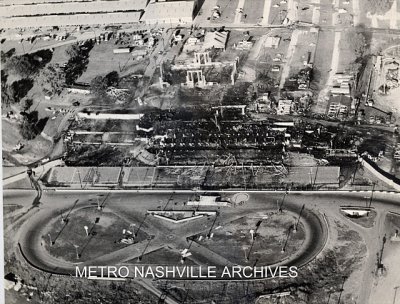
point(200, 151)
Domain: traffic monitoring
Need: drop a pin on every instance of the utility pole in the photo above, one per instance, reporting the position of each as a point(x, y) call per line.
point(283, 199)
point(144, 250)
point(76, 251)
point(140, 226)
point(63, 219)
point(170, 198)
point(341, 290)
point(212, 226)
point(366, 200)
point(395, 294)
point(79, 176)
point(315, 177)
point(245, 253)
point(98, 204)
point(51, 242)
point(298, 219)
point(311, 180)
point(355, 172)
point(287, 238)
point(372, 195)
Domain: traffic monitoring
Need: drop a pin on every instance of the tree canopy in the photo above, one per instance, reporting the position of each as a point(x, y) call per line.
point(99, 84)
point(354, 41)
point(378, 7)
point(52, 79)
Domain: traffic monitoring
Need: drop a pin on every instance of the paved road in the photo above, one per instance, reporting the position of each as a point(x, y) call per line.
point(54, 203)
point(39, 171)
point(327, 203)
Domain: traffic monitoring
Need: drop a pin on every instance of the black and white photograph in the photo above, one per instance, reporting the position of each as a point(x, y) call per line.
point(200, 151)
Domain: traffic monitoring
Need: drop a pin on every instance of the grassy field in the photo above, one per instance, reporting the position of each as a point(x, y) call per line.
point(162, 257)
point(277, 14)
point(323, 57)
point(306, 42)
point(103, 61)
point(227, 10)
point(33, 150)
point(326, 11)
point(365, 221)
point(103, 238)
point(233, 240)
point(254, 11)
point(305, 11)
point(346, 56)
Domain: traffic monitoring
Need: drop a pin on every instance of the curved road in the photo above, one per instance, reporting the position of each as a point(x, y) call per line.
point(318, 202)
point(55, 203)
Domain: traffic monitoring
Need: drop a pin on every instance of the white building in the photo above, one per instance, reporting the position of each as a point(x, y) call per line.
point(22, 14)
point(272, 42)
point(173, 12)
point(284, 107)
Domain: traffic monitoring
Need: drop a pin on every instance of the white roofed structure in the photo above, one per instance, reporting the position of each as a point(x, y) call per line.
point(44, 9)
point(67, 20)
point(216, 40)
point(174, 12)
point(38, 13)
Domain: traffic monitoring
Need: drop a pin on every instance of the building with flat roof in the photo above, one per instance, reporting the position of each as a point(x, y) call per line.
point(70, 20)
point(316, 176)
point(173, 12)
point(44, 9)
point(272, 42)
point(15, 2)
point(70, 13)
point(215, 40)
point(284, 107)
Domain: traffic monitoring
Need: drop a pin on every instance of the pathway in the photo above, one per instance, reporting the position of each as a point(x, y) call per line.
point(322, 102)
point(239, 11)
point(289, 56)
point(267, 8)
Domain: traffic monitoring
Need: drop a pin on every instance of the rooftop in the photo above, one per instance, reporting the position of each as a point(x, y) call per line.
point(215, 40)
point(169, 10)
point(66, 20)
point(73, 8)
point(318, 175)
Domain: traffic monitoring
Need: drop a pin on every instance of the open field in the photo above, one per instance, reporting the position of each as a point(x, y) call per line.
point(323, 58)
point(253, 9)
point(278, 12)
point(162, 257)
point(227, 10)
point(384, 289)
point(364, 221)
point(32, 151)
point(105, 232)
point(306, 44)
point(103, 61)
point(234, 241)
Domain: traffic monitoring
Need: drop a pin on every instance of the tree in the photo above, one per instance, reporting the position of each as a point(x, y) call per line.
point(73, 50)
point(6, 55)
point(112, 78)
point(21, 65)
point(98, 85)
point(354, 41)
point(27, 104)
point(52, 79)
point(378, 7)
point(19, 89)
point(78, 60)
point(28, 129)
point(5, 96)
